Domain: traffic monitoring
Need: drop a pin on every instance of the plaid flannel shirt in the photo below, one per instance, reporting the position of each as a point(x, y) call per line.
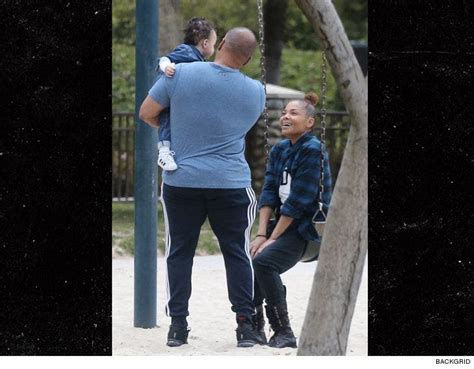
point(303, 162)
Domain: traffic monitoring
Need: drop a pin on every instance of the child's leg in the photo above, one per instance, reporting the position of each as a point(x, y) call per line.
point(164, 132)
point(165, 156)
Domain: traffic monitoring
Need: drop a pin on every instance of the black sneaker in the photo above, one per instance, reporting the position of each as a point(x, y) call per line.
point(177, 336)
point(247, 334)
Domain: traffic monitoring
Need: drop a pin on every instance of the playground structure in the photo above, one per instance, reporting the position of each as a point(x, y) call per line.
point(146, 173)
point(347, 221)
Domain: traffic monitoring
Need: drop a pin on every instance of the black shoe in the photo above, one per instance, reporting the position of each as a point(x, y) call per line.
point(280, 323)
point(247, 334)
point(283, 338)
point(259, 323)
point(177, 336)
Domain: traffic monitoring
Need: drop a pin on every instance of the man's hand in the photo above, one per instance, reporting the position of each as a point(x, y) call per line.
point(258, 245)
point(170, 69)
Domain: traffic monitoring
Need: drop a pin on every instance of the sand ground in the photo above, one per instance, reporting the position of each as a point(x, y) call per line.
point(211, 321)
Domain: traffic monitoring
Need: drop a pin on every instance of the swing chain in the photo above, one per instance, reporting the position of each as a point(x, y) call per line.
point(323, 111)
point(323, 123)
point(263, 75)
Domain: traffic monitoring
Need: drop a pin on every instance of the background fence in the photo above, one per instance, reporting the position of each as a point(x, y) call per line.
point(123, 149)
point(123, 156)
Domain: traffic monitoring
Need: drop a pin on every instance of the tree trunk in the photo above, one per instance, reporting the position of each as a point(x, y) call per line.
point(344, 244)
point(274, 19)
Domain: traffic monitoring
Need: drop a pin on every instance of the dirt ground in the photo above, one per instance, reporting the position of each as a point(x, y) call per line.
point(211, 321)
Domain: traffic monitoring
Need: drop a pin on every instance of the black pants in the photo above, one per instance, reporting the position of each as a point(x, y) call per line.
point(274, 260)
point(231, 213)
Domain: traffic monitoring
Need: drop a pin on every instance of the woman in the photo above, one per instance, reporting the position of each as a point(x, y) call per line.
point(291, 191)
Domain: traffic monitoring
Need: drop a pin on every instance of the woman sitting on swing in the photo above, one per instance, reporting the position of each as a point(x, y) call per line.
point(291, 191)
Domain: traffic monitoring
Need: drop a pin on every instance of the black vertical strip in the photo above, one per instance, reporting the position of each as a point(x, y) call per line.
point(421, 135)
point(55, 175)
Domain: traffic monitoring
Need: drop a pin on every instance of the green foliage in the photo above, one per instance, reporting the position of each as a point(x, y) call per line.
point(300, 66)
point(299, 33)
point(353, 15)
point(123, 55)
point(301, 70)
point(123, 77)
point(222, 14)
point(123, 21)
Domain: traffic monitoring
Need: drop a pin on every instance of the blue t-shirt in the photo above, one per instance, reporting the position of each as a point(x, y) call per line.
point(212, 108)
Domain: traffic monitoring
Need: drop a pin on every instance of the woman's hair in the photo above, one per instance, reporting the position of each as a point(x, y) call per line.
point(196, 30)
point(310, 100)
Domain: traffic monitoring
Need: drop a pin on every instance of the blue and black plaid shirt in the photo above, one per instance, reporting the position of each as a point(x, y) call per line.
point(302, 161)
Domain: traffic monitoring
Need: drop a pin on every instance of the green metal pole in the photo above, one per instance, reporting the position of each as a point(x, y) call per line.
point(145, 193)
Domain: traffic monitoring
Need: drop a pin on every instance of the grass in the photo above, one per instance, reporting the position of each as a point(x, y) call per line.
point(123, 232)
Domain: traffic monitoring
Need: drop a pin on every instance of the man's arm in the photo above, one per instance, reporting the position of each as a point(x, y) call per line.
point(149, 112)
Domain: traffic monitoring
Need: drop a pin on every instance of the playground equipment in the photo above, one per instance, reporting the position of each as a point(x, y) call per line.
point(147, 27)
point(319, 218)
point(145, 263)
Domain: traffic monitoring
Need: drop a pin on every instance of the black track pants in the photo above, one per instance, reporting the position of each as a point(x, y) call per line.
point(231, 213)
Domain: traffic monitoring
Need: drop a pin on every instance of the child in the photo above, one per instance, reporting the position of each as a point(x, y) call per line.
point(199, 41)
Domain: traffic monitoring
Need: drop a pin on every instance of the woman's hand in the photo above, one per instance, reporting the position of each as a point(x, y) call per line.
point(258, 246)
point(256, 243)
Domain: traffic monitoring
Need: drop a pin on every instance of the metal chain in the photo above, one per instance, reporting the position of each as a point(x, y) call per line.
point(265, 110)
point(263, 75)
point(323, 124)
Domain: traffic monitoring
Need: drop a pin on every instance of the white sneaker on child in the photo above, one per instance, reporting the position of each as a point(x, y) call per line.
point(166, 160)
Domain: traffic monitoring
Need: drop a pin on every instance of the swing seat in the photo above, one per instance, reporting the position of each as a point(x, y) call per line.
point(311, 252)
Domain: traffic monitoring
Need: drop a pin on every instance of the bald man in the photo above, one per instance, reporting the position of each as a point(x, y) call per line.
point(212, 107)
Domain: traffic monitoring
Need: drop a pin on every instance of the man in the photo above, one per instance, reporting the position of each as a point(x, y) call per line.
point(212, 107)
